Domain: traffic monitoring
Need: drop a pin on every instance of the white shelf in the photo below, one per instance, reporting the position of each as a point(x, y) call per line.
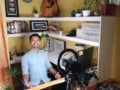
point(92, 18)
point(74, 39)
point(20, 34)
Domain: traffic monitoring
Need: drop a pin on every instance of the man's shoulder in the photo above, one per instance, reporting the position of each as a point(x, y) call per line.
point(27, 54)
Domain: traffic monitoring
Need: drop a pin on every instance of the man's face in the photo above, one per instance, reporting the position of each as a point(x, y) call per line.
point(35, 42)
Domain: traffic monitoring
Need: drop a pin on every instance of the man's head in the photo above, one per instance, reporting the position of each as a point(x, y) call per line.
point(35, 41)
point(34, 35)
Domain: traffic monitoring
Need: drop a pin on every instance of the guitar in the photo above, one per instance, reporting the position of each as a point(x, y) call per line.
point(49, 8)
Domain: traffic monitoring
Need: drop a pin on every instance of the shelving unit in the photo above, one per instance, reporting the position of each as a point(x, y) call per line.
point(104, 45)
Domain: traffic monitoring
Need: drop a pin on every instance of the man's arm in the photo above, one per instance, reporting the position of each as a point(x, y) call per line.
point(26, 80)
point(25, 72)
point(54, 72)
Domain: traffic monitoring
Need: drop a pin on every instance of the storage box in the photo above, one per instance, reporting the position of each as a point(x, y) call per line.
point(91, 26)
point(88, 34)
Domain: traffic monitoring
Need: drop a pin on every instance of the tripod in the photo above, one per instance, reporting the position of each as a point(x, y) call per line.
point(71, 82)
point(79, 80)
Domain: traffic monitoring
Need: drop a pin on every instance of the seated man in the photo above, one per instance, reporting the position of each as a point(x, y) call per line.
point(36, 64)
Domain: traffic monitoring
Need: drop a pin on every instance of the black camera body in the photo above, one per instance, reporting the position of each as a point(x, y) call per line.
point(72, 66)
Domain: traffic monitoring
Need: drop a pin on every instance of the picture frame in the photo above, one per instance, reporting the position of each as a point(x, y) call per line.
point(11, 8)
point(38, 25)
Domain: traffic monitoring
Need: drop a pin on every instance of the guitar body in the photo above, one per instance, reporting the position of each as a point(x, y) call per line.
point(49, 8)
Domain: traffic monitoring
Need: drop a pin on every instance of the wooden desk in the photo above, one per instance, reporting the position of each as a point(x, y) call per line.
point(48, 84)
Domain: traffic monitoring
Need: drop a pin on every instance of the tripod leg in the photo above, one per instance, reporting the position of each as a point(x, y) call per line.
point(68, 85)
point(83, 87)
point(71, 85)
point(77, 86)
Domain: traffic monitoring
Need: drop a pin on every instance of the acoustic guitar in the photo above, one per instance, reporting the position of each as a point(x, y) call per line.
point(49, 8)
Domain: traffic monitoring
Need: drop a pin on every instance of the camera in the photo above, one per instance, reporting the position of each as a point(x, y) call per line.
point(72, 66)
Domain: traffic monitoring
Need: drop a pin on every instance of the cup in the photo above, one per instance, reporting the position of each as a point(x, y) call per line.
point(60, 33)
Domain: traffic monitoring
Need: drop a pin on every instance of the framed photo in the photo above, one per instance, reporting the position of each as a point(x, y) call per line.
point(38, 25)
point(11, 8)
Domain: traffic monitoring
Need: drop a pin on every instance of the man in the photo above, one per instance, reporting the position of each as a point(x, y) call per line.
point(35, 64)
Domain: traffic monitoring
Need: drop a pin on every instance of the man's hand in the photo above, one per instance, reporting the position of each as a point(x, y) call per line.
point(57, 75)
point(28, 84)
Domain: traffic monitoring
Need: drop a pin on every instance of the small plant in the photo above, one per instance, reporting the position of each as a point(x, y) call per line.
point(44, 38)
point(88, 4)
point(6, 87)
point(35, 11)
point(106, 1)
point(97, 4)
point(12, 71)
point(43, 35)
point(79, 10)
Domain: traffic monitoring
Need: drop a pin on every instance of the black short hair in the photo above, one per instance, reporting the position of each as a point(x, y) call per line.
point(35, 34)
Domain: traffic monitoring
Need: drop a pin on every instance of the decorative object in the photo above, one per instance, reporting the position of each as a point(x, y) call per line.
point(38, 25)
point(88, 4)
point(11, 8)
point(44, 39)
point(78, 13)
point(35, 12)
point(108, 8)
point(86, 13)
point(49, 8)
point(88, 9)
point(72, 14)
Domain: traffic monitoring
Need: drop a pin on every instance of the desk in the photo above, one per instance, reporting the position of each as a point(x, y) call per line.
point(42, 86)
